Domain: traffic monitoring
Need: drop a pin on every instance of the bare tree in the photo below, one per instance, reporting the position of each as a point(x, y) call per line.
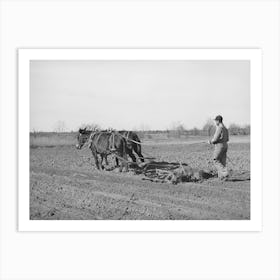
point(235, 129)
point(34, 132)
point(247, 129)
point(59, 126)
point(144, 127)
point(208, 127)
point(195, 131)
point(177, 129)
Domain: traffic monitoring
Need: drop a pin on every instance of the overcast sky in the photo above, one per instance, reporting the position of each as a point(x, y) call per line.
point(138, 94)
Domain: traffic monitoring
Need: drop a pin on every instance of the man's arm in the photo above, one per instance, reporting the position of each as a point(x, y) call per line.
point(217, 136)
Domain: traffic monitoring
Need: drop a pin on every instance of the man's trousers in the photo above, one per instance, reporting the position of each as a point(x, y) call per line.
point(220, 159)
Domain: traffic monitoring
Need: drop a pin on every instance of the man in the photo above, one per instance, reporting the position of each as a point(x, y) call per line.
point(220, 140)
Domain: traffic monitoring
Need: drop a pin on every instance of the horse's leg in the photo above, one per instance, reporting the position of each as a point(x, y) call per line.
point(117, 161)
point(106, 160)
point(94, 153)
point(130, 153)
point(102, 157)
point(138, 152)
point(124, 160)
point(121, 166)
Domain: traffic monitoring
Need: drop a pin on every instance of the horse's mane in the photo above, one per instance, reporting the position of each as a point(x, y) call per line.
point(85, 131)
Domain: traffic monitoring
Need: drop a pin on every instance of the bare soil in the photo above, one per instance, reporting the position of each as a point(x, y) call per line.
point(64, 184)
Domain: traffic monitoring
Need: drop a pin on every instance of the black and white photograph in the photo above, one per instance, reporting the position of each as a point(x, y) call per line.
point(140, 140)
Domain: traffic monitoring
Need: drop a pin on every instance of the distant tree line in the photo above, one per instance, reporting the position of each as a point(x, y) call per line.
point(235, 129)
point(176, 130)
point(207, 130)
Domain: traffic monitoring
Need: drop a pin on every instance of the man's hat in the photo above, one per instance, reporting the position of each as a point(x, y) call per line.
point(219, 118)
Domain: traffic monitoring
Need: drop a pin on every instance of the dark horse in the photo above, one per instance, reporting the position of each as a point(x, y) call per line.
point(104, 143)
point(133, 143)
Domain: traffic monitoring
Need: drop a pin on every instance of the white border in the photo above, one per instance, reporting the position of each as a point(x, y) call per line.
point(254, 55)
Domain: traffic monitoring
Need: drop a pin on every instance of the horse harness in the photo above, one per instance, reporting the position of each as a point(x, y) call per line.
point(111, 139)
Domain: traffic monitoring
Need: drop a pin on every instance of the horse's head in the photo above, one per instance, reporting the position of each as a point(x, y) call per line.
point(82, 137)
